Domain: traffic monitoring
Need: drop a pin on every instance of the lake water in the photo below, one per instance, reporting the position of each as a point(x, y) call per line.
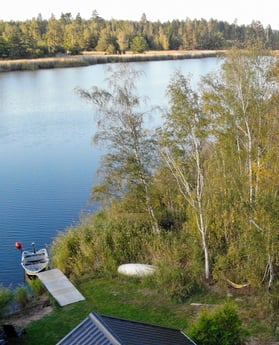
point(48, 162)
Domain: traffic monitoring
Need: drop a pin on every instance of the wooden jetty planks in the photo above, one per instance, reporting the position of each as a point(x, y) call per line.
point(60, 287)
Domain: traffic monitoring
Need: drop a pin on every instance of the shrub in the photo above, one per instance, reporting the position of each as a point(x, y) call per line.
point(175, 282)
point(177, 277)
point(21, 296)
point(273, 303)
point(6, 296)
point(37, 287)
point(222, 327)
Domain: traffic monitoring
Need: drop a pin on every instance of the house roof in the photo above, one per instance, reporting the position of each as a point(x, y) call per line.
point(106, 330)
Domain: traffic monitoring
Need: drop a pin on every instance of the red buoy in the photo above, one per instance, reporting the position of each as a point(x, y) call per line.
point(18, 245)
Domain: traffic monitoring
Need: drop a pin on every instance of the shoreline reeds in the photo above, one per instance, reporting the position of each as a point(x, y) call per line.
point(89, 58)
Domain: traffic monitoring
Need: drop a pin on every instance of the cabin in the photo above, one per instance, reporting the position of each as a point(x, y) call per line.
point(99, 329)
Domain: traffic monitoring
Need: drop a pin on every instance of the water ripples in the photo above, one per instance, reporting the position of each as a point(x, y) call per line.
point(48, 164)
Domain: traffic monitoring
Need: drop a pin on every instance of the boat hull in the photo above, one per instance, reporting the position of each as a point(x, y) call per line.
point(34, 262)
point(137, 270)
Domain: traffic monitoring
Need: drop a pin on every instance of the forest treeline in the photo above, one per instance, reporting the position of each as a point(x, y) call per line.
point(39, 37)
point(197, 197)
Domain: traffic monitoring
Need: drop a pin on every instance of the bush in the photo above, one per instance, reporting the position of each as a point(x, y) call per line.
point(174, 281)
point(178, 277)
point(222, 327)
point(21, 296)
point(6, 296)
point(273, 303)
point(37, 287)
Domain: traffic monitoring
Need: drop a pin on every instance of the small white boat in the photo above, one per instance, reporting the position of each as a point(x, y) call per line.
point(136, 270)
point(34, 261)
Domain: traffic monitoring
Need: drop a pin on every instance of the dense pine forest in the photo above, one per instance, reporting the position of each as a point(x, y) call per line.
point(40, 37)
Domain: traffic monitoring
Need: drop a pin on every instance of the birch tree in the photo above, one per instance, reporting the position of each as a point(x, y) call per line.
point(130, 147)
point(184, 136)
point(242, 99)
point(239, 99)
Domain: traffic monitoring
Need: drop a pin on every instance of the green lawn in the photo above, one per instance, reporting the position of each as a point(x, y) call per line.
point(136, 300)
point(126, 298)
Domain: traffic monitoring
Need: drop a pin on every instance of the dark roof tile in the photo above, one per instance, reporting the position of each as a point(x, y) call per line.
point(86, 333)
point(139, 333)
point(106, 330)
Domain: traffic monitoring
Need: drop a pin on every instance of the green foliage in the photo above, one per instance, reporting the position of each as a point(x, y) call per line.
point(131, 148)
point(273, 304)
point(215, 194)
point(232, 190)
point(242, 167)
point(6, 296)
point(102, 245)
point(74, 35)
point(221, 327)
point(110, 240)
point(183, 138)
point(177, 283)
point(113, 240)
point(124, 298)
point(21, 296)
point(139, 44)
point(133, 299)
point(176, 276)
point(66, 249)
point(37, 286)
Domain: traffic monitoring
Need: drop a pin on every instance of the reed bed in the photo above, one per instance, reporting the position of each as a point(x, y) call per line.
point(89, 58)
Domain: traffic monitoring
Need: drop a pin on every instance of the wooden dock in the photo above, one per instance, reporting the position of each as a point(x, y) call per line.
point(60, 287)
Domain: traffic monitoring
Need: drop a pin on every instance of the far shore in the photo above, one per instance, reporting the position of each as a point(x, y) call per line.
point(93, 58)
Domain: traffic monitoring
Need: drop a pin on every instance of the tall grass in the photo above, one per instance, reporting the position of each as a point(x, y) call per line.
point(101, 245)
point(21, 296)
point(6, 296)
point(107, 241)
point(93, 59)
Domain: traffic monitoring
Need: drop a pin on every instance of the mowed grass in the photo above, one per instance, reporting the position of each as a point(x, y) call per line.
point(140, 300)
point(120, 297)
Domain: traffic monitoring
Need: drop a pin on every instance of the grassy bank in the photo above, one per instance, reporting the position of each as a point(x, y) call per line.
point(91, 58)
point(141, 301)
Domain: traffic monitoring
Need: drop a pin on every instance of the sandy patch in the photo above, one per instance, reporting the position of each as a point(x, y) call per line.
point(35, 311)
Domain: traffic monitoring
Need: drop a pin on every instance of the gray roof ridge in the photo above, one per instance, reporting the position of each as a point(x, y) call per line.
point(97, 319)
point(72, 331)
point(141, 322)
point(186, 336)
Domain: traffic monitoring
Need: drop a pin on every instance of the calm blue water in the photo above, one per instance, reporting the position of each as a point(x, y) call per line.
point(48, 163)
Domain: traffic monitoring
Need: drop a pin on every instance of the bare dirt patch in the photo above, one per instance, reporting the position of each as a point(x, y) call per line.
point(36, 310)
